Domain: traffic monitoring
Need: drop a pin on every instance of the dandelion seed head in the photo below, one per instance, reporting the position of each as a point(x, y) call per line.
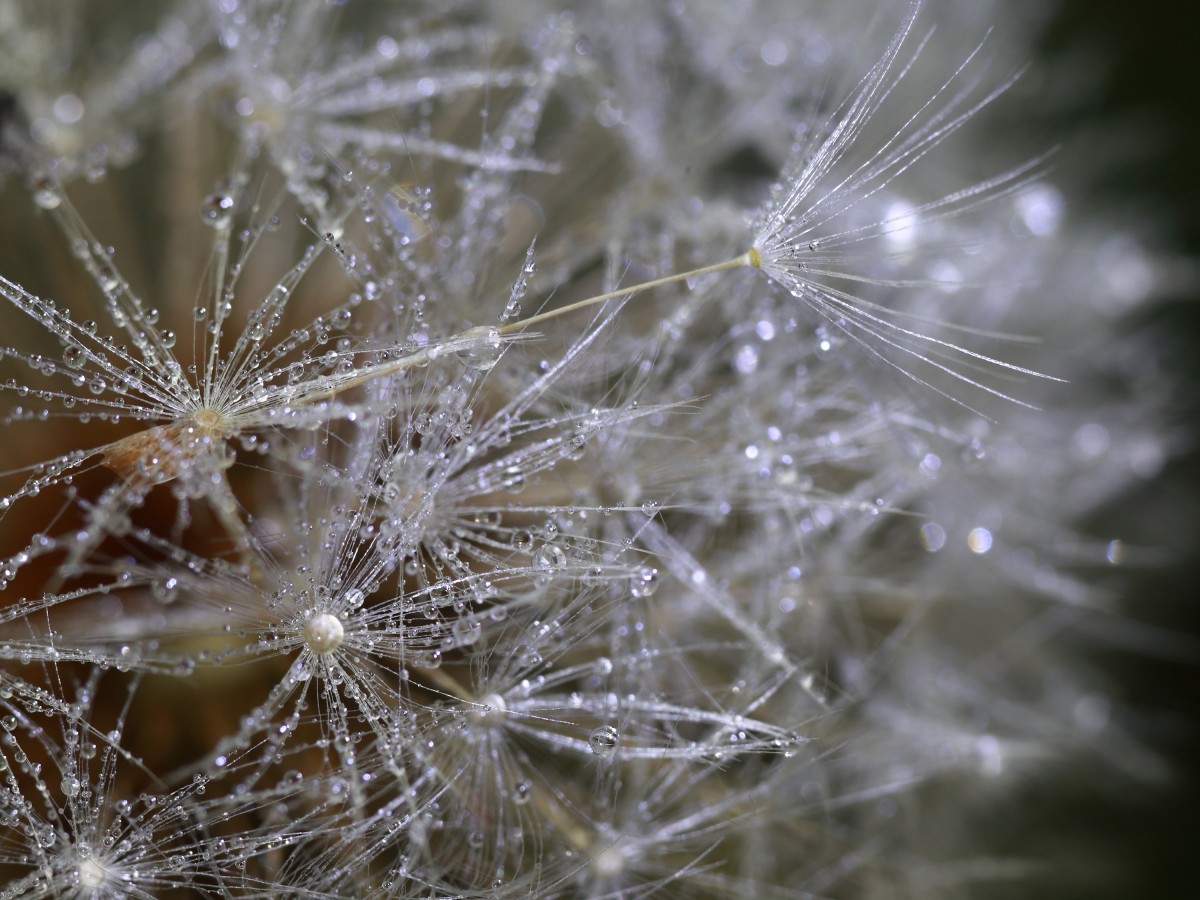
point(551, 492)
point(603, 741)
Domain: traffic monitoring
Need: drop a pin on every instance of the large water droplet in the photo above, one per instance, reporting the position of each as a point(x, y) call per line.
point(74, 356)
point(549, 558)
point(466, 631)
point(512, 479)
point(604, 740)
point(166, 590)
point(485, 348)
point(644, 582)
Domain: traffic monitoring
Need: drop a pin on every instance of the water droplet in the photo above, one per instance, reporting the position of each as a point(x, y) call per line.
point(512, 479)
point(216, 210)
point(522, 793)
point(745, 359)
point(644, 582)
point(933, 536)
point(430, 659)
point(485, 348)
point(973, 452)
point(74, 356)
point(604, 740)
point(168, 338)
point(45, 193)
point(575, 448)
point(70, 786)
point(466, 632)
point(166, 590)
point(549, 558)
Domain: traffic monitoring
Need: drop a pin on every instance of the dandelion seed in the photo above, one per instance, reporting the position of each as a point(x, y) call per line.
point(807, 237)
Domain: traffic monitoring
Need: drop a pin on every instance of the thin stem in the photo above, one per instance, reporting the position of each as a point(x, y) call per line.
point(439, 681)
point(749, 258)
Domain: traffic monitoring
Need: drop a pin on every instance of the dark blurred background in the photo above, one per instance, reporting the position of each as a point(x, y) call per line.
point(1149, 83)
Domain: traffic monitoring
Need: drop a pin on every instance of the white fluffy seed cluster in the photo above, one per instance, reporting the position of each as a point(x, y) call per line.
point(559, 450)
